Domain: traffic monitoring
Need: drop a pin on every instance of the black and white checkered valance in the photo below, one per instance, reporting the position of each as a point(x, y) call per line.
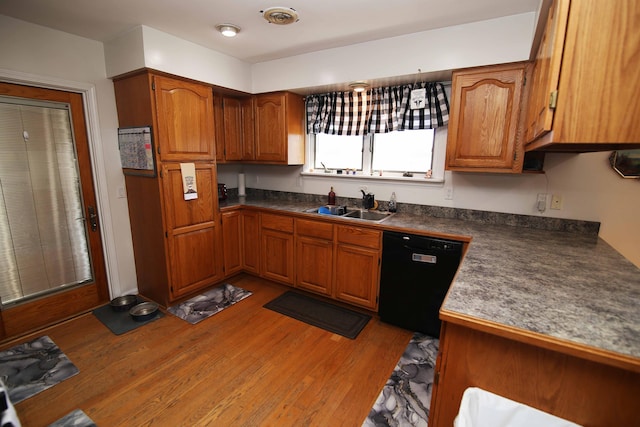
point(379, 110)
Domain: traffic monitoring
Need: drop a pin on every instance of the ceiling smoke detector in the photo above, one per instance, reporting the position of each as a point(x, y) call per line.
point(280, 15)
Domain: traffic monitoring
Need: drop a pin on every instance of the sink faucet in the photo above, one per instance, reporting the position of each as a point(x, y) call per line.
point(325, 168)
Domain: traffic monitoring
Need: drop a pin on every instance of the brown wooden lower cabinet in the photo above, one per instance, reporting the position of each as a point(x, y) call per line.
point(357, 266)
point(579, 390)
point(192, 235)
point(314, 256)
point(339, 261)
point(232, 242)
point(251, 241)
point(277, 256)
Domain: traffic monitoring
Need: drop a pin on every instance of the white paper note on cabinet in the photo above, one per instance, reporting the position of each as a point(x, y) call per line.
point(189, 184)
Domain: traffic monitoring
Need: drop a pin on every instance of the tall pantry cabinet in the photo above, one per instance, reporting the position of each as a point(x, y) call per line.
point(176, 242)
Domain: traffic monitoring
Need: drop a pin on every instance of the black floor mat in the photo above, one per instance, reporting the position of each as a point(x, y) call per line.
point(120, 322)
point(332, 318)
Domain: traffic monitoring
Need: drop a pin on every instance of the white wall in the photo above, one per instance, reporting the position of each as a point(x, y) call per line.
point(494, 41)
point(148, 47)
point(42, 52)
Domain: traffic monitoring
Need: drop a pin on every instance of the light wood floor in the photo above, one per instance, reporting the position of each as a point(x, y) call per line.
point(245, 366)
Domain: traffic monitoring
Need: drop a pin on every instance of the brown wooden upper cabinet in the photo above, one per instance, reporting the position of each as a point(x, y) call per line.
point(585, 85)
point(180, 112)
point(185, 119)
point(485, 110)
point(234, 131)
point(279, 128)
point(265, 128)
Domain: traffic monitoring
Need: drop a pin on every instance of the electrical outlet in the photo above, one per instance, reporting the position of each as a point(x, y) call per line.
point(542, 202)
point(556, 202)
point(121, 193)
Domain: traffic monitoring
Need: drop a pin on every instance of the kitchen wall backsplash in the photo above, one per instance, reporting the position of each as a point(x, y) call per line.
point(485, 217)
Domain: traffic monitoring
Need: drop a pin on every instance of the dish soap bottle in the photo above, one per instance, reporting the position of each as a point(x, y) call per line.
point(332, 197)
point(392, 202)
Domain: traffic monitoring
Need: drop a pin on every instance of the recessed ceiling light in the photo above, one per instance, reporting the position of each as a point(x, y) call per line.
point(358, 86)
point(228, 30)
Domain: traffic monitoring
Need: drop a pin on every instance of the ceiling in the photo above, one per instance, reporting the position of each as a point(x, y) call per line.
point(322, 25)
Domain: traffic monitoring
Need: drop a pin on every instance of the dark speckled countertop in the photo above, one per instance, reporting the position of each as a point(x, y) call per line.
point(571, 286)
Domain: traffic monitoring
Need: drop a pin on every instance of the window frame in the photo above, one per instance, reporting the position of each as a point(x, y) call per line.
point(437, 171)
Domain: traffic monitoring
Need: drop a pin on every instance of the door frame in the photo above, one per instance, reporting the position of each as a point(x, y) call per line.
point(90, 104)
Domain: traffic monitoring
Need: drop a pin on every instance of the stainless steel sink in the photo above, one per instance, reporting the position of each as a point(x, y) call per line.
point(374, 216)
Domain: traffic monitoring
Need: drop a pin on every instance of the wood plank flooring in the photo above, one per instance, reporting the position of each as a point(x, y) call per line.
point(245, 366)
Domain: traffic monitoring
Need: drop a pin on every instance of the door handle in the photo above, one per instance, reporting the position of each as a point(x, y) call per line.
point(93, 218)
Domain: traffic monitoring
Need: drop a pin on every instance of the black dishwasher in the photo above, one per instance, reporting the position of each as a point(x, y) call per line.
point(415, 276)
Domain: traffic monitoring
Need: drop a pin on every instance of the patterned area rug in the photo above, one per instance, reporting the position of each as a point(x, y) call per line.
point(211, 302)
point(76, 418)
point(32, 367)
point(405, 399)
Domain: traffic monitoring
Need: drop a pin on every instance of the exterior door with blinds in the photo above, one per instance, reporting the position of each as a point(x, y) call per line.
point(51, 260)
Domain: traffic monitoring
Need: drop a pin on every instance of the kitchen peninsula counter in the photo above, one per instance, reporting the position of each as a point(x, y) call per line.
point(560, 289)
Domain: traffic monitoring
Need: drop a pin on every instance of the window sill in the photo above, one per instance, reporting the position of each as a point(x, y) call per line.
point(415, 179)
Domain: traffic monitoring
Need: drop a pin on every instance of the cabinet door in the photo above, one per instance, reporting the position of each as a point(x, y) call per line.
point(314, 256)
point(233, 128)
point(218, 114)
point(232, 243)
point(484, 116)
point(546, 72)
point(270, 131)
point(185, 120)
point(248, 131)
point(192, 234)
point(314, 264)
point(251, 242)
point(277, 256)
point(357, 271)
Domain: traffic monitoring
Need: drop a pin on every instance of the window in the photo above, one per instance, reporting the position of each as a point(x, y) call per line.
point(338, 152)
point(393, 153)
point(403, 151)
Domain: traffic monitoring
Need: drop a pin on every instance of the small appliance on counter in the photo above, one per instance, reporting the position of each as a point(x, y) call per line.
point(368, 200)
point(222, 192)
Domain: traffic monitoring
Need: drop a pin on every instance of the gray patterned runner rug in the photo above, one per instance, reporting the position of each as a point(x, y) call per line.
point(406, 398)
point(211, 302)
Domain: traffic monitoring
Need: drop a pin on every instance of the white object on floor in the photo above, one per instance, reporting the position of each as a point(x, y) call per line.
point(480, 408)
point(8, 415)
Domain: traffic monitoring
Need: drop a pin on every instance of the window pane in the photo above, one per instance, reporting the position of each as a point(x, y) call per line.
point(338, 151)
point(403, 151)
